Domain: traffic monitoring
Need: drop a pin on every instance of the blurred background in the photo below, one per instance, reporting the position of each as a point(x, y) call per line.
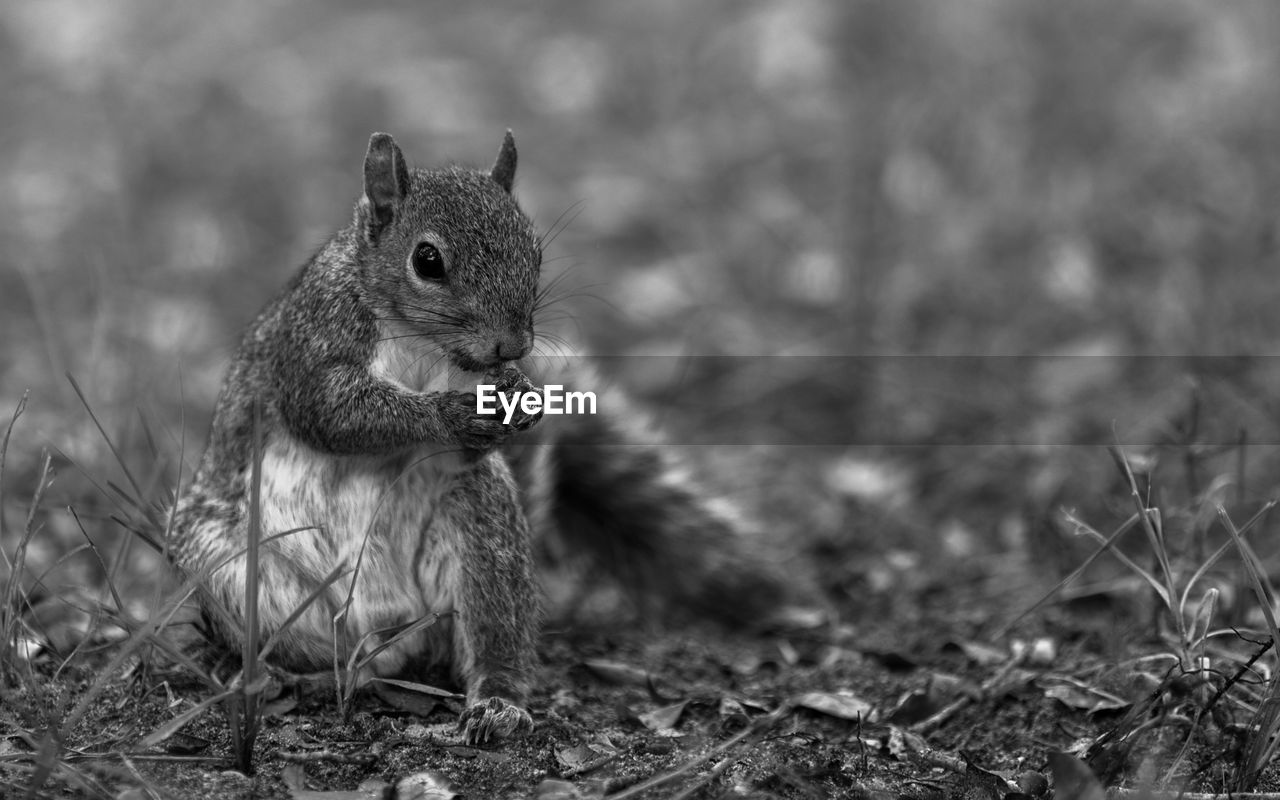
point(748, 193)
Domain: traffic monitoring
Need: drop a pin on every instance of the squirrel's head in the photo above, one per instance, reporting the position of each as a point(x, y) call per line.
point(449, 253)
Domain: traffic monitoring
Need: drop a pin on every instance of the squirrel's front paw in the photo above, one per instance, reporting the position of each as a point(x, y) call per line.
point(479, 432)
point(484, 434)
point(493, 718)
point(511, 381)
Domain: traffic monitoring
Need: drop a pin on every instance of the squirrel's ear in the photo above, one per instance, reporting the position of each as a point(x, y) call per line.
point(386, 182)
point(504, 169)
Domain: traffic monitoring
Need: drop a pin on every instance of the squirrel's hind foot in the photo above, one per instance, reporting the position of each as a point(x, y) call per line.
point(493, 718)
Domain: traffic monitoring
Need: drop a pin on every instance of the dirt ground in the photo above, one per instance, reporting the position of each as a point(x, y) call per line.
point(899, 683)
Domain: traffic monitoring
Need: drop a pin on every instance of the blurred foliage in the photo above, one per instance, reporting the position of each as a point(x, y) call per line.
point(819, 178)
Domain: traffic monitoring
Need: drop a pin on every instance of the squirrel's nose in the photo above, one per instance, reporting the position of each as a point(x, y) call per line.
point(514, 346)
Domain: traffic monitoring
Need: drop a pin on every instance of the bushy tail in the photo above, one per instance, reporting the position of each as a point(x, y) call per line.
point(607, 487)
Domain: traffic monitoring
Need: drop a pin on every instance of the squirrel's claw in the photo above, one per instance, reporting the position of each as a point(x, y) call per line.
point(493, 718)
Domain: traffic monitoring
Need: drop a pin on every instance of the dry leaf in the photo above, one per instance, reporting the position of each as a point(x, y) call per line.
point(424, 786)
point(617, 673)
point(404, 699)
point(295, 779)
point(798, 618)
point(842, 706)
point(280, 706)
point(790, 656)
point(1086, 698)
point(572, 758)
point(984, 655)
point(587, 756)
point(731, 711)
point(897, 662)
point(564, 790)
point(914, 706)
point(903, 743)
point(665, 718)
point(185, 744)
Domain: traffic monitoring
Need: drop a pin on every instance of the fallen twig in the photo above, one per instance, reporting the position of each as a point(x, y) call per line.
point(763, 724)
point(711, 775)
point(948, 711)
point(72, 756)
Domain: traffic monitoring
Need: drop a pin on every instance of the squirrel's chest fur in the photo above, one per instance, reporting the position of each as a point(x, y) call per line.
point(370, 514)
point(347, 503)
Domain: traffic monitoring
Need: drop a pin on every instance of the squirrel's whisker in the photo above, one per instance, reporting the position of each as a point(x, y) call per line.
point(560, 223)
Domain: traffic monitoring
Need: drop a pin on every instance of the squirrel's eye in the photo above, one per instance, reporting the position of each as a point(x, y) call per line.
point(428, 262)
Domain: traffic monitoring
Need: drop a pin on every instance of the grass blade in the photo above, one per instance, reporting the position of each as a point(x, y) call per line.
point(315, 595)
point(250, 654)
point(111, 445)
point(185, 718)
point(4, 452)
point(1156, 585)
point(357, 662)
point(1221, 551)
point(1152, 525)
point(1075, 573)
point(10, 614)
point(1257, 574)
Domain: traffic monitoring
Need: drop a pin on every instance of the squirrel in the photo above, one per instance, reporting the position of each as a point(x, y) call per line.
point(358, 381)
